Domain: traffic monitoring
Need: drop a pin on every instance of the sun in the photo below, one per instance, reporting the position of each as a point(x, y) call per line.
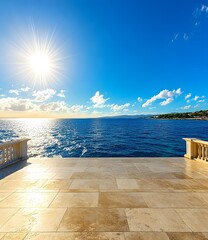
point(38, 59)
point(41, 64)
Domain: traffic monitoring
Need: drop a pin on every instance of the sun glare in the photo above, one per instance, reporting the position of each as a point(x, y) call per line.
point(40, 63)
point(38, 58)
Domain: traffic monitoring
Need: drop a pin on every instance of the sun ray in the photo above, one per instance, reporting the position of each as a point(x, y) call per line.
point(37, 59)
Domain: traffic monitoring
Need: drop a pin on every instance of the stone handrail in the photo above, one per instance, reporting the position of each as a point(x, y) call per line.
point(196, 149)
point(13, 151)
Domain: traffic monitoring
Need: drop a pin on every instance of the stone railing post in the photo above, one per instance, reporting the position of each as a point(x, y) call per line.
point(191, 148)
point(23, 149)
point(13, 151)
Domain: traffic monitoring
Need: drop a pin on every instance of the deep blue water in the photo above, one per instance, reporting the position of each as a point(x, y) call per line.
point(104, 137)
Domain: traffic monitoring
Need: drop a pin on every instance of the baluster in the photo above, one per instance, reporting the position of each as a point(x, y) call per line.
point(206, 152)
point(12, 152)
point(9, 154)
point(1, 158)
point(203, 152)
point(4, 155)
point(199, 151)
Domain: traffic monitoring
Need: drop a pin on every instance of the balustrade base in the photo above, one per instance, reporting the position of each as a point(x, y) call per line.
point(13, 162)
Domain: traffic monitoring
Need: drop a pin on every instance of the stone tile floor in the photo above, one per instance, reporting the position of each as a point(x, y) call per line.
point(104, 198)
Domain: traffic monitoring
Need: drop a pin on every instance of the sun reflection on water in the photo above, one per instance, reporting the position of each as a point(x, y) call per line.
point(39, 131)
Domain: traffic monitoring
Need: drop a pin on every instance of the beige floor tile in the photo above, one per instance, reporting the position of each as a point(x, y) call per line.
point(15, 184)
point(163, 175)
point(62, 175)
point(110, 236)
point(29, 199)
point(186, 236)
point(1, 235)
point(56, 184)
point(79, 220)
point(181, 175)
point(158, 175)
point(6, 214)
point(146, 236)
point(112, 220)
point(205, 235)
point(127, 183)
point(93, 184)
point(131, 170)
point(14, 236)
point(36, 186)
point(94, 219)
point(4, 195)
point(204, 182)
point(76, 236)
point(151, 185)
point(184, 184)
point(35, 175)
point(121, 200)
point(41, 220)
point(107, 184)
point(196, 219)
point(75, 200)
point(100, 175)
point(174, 200)
point(84, 184)
point(166, 220)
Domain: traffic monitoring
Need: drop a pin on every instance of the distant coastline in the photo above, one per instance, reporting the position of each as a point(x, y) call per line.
point(198, 115)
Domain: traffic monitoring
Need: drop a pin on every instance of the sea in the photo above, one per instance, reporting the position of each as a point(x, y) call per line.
point(100, 137)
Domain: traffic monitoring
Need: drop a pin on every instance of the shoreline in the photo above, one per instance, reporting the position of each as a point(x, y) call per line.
point(196, 119)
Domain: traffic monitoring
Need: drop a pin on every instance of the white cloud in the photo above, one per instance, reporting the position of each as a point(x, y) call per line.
point(186, 107)
point(53, 106)
point(43, 95)
point(196, 98)
point(116, 107)
point(139, 99)
point(98, 99)
point(197, 105)
point(95, 112)
point(178, 91)
point(175, 37)
point(166, 102)
point(164, 94)
point(25, 89)
point(204, 8)
point(201, 101)
point(76, 108)
point(13, 91)
point(30, 105)
point(188, 96)
point(61, 94)
point(185, 36)
point(16, 104)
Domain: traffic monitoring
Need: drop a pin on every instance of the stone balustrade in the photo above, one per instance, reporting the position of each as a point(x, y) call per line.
point(13, 151)
point(196, 149)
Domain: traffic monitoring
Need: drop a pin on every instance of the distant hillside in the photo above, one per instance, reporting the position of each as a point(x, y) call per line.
point(203, 114)
point(129, 116)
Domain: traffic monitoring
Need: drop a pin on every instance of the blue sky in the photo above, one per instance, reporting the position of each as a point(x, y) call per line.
point(111, 57)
